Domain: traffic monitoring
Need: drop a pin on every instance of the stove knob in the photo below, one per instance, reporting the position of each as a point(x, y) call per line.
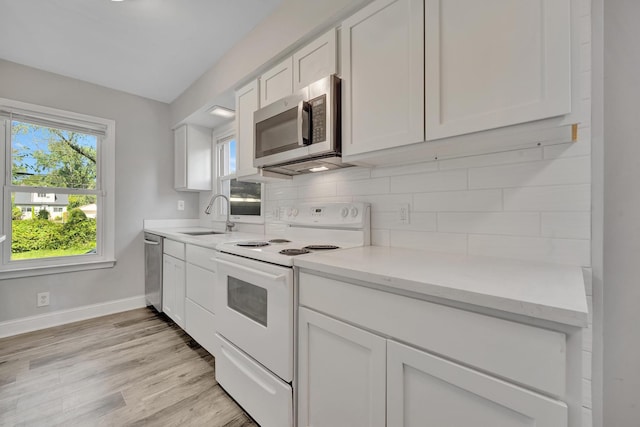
point(294, 212)
point(344, 212)
point(354, 212)
point(289, 212)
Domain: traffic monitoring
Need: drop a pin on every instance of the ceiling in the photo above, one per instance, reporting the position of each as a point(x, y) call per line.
point(151, 48)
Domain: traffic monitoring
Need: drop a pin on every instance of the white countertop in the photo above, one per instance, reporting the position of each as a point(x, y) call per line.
point(207, 240)
point(540, 290)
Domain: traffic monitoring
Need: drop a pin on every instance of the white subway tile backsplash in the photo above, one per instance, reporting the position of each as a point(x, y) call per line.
point(587, 338)
point(574, 170)
point(318, 189)
point(459, 201)
point(363, 187)
point(351, 173)
point(434, 181)
point(405, 169)
point(562, 251)
point(508, 223)
point(380, 237)
point(386, 202)
point(508, 157)
point(551, 198)
point(586, 364)
point(568, 225)
point(586, 394)
point(419, 221)
point(587, 417)
point(569, 149)
point(281, 193)
point(440, 242)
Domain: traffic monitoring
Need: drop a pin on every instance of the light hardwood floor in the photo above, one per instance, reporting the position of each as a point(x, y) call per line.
point(127, 369)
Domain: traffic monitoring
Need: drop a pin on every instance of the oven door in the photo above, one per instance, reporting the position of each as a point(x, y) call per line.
point(254, 309)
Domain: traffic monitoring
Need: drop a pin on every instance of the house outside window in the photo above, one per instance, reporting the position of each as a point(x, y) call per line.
point(245, 197)
point(57, 164)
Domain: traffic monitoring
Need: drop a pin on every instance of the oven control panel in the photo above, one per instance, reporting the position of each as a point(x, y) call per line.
point(327, 214)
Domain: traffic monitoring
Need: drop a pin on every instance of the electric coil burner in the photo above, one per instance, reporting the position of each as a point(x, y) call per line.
point(252, 244)
point(255, 298)
point(294, 252)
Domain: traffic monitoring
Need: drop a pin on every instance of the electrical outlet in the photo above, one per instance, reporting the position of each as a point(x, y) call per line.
point(180, 205)
point(403, 213)
point(42, 299)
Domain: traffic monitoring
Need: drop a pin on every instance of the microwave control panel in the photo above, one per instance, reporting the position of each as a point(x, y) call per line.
point(319, 119)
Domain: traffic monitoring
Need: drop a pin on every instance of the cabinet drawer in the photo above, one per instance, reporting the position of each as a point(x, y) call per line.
point(200, 324)
point(202, 257)
point(521, 353)
point(173, 248)
point(200, 284)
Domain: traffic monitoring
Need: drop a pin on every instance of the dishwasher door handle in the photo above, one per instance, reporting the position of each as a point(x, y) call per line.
point(150, 242)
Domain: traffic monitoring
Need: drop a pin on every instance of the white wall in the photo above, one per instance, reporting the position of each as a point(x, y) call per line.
point(144, 188)
point(621, 213)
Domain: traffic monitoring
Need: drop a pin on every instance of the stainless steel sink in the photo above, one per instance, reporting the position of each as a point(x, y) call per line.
point(201, 233)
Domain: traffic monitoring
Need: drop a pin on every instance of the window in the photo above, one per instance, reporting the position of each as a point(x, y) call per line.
point(245, 197)
point(58, 190)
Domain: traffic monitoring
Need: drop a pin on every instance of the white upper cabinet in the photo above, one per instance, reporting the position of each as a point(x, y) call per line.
point(315, 61)
point(382, 60)
point(192, 158)
point(277, 82)
point(247, 101)
point(495, 63)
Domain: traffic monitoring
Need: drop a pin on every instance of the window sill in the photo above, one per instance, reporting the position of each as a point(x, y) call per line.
point(31, 271)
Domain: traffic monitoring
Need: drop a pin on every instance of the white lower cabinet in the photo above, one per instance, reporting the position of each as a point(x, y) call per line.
point(426, 390)
point(368, 357)
point(341, 374)
point(200, 283)
point(173, 289)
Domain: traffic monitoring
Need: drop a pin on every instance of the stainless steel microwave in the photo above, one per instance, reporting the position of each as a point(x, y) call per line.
point(300, 133)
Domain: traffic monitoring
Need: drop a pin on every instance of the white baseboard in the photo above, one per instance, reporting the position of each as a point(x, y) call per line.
point(47, 320)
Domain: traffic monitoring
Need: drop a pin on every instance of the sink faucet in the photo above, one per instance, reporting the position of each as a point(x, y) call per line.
point(229, 224)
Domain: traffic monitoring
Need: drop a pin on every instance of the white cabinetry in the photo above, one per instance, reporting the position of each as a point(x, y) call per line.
point(192, 158)
point(341, 373)
point(173, 281)
point(316, 60)
point(424, 389)
point(476, 370)
point(382, 62)
point(277, 82)
point(467, 77)
point(493, 63)
point(247, 102)
point(200, 283)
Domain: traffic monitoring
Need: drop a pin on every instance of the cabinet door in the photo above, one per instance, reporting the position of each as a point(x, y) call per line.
point(382, 60)
point(316, 60)
point(180, 293)
point(247, 101)
point(173, 289)
point(341, 374)
point(180, 157)
point(277, 82)
point(495, 63)
point(425, 390)
point(168, 285)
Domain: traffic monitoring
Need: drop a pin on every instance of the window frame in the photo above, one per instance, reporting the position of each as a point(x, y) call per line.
point(105, 233)
point(221, 136)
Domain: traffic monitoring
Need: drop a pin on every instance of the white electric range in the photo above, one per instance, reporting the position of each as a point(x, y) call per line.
point(255, 298)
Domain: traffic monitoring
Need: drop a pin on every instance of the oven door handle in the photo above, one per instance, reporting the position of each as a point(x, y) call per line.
point(274, 277)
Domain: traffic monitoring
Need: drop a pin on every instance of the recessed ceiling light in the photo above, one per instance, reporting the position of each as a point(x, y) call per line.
point(219, 111)
point(319, 169)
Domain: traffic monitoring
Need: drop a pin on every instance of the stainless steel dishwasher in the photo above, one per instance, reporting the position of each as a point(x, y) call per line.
point(153, 270)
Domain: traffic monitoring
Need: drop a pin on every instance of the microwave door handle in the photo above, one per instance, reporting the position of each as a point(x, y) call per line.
point(304, 123)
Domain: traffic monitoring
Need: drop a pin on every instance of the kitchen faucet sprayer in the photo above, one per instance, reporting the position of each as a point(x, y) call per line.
point(229, 224)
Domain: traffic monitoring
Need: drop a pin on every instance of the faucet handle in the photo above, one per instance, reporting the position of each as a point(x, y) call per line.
point(230, 225)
